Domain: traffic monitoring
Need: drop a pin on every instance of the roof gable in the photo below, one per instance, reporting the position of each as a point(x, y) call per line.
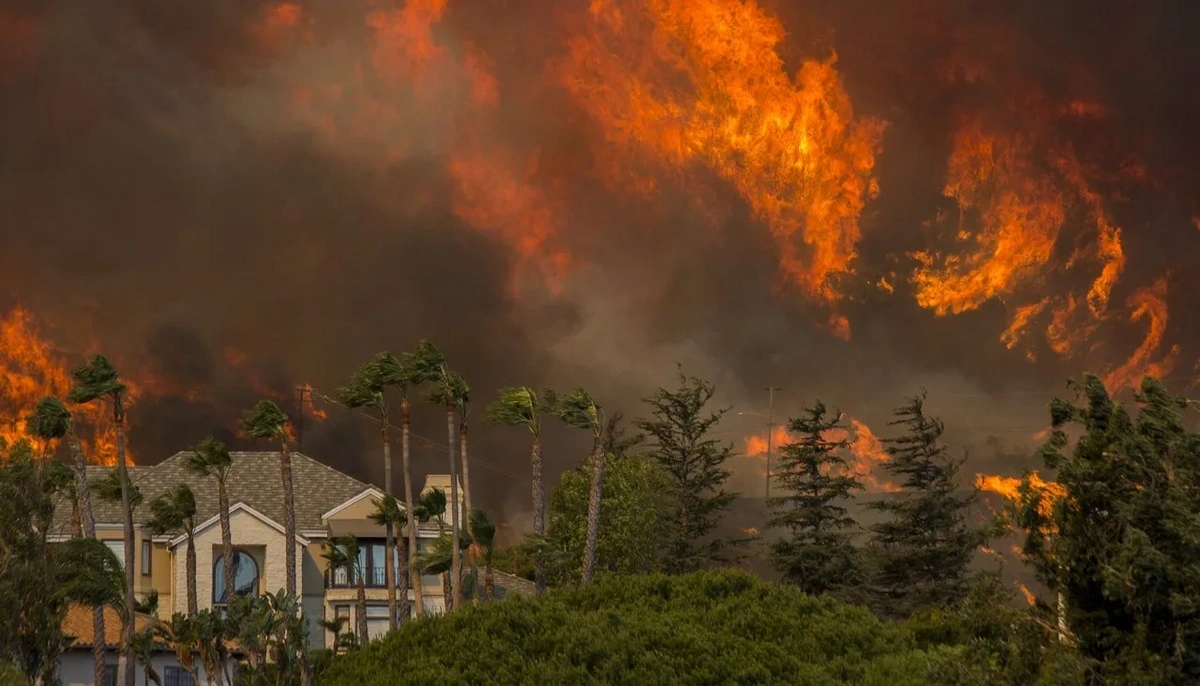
point(234, 509)
point(254, 479)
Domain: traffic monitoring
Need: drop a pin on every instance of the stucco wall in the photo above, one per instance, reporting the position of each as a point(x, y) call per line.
point(75, 667)
point(261, 541)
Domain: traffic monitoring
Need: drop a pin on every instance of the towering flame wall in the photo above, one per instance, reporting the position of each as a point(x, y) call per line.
point(587, 192)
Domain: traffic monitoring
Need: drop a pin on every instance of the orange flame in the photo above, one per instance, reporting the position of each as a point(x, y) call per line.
point(1029, 597)
point(1010, 488)
point(699, 83)
point(31, 369)
point(1147, 303)
point(866, 451)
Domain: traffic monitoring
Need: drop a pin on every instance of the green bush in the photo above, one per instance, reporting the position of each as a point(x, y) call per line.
point(716, 627)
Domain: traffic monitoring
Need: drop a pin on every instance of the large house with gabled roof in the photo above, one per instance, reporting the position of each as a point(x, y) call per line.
point(328, 503)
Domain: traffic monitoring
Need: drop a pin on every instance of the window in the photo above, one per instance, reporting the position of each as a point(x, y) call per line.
point(110, 675)
point(146, 550)
point(177, 676)
point(118, 548)
point(245, 576)
point(377, 621)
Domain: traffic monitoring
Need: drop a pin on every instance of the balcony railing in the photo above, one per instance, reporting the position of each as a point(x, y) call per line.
point(373, 577)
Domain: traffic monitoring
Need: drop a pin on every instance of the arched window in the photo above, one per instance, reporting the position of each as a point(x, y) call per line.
point(245, 575)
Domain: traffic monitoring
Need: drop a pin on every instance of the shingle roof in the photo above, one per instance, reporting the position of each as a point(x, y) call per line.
point(78, 625)
point(511, 584)
point(254, 480)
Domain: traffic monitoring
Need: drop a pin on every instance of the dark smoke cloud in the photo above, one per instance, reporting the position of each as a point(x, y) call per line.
point(160, 194)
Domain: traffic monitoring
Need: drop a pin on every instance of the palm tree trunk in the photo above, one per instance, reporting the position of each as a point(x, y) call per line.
point(289, 516)
point(88, 529)
point(361, 619)
point(539, 511)
point(76, 522)
point(466, 466)
point(593, 514)
point(226, 539)
point(414, 574)
point(489, 582)
point(399, 560)
point(466, 475)
point(127, 514)
point(455, 553)
point(193, 606)
point(389, 572)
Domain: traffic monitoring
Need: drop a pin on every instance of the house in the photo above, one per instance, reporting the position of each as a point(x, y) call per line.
point(327, 503)
point(76, 667)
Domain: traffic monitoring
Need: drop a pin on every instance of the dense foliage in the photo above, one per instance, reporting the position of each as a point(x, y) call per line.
point(634, 518)
point(716, 627)
point(1122, 543)
point(923, 547)
point(817, 551)
point(680, 431)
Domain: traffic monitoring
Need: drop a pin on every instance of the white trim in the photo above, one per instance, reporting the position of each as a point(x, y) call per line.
point(370, 491)
point(242, 507)
point(312, 534)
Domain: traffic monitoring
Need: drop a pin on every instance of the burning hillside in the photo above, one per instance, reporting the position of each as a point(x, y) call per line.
point(587, 192)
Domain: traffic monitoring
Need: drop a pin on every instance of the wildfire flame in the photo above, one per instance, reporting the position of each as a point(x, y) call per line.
point(683, 84)
point(30, 369)
point(1010, 487)
point(866, 452)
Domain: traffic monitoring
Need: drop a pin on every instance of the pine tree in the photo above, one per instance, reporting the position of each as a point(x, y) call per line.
point(924, 545)
point(818, 553)
point(679, 430)
point(1118, 538)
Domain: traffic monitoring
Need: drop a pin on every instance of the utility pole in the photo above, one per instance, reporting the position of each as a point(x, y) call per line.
point(770, 432)
point(301, 392)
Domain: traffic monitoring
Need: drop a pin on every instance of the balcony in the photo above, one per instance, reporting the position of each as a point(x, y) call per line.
point(373, 577)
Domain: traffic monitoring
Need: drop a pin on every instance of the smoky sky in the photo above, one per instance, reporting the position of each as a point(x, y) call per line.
point(158, 197)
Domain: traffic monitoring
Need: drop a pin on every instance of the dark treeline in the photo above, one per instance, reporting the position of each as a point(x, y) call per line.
point(1117, 546)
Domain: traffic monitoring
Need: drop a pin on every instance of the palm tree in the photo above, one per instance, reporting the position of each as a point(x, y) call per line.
point(388, 514)
point(341, 641)
point(484, 532)
point(50, 421)
point(210, 458)
point(461, 398)
point(403, 382)
point(96, 578)
point(210, 643)
point(343, 552)
point(265, 420)
point(97, 380)
point(427, 363)
point(142, 650)
point(579, 410)
point(181, 636)
point(438, 559)
point(254, 624)
point(172, 511)
point(522, 406)
point(433, 506)
point(366, 389)
point(108, 489)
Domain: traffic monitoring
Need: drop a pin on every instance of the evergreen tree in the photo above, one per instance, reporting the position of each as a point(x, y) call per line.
point(1120, 540)
point(818, 553)
point(924, 545)
point(679, 430)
